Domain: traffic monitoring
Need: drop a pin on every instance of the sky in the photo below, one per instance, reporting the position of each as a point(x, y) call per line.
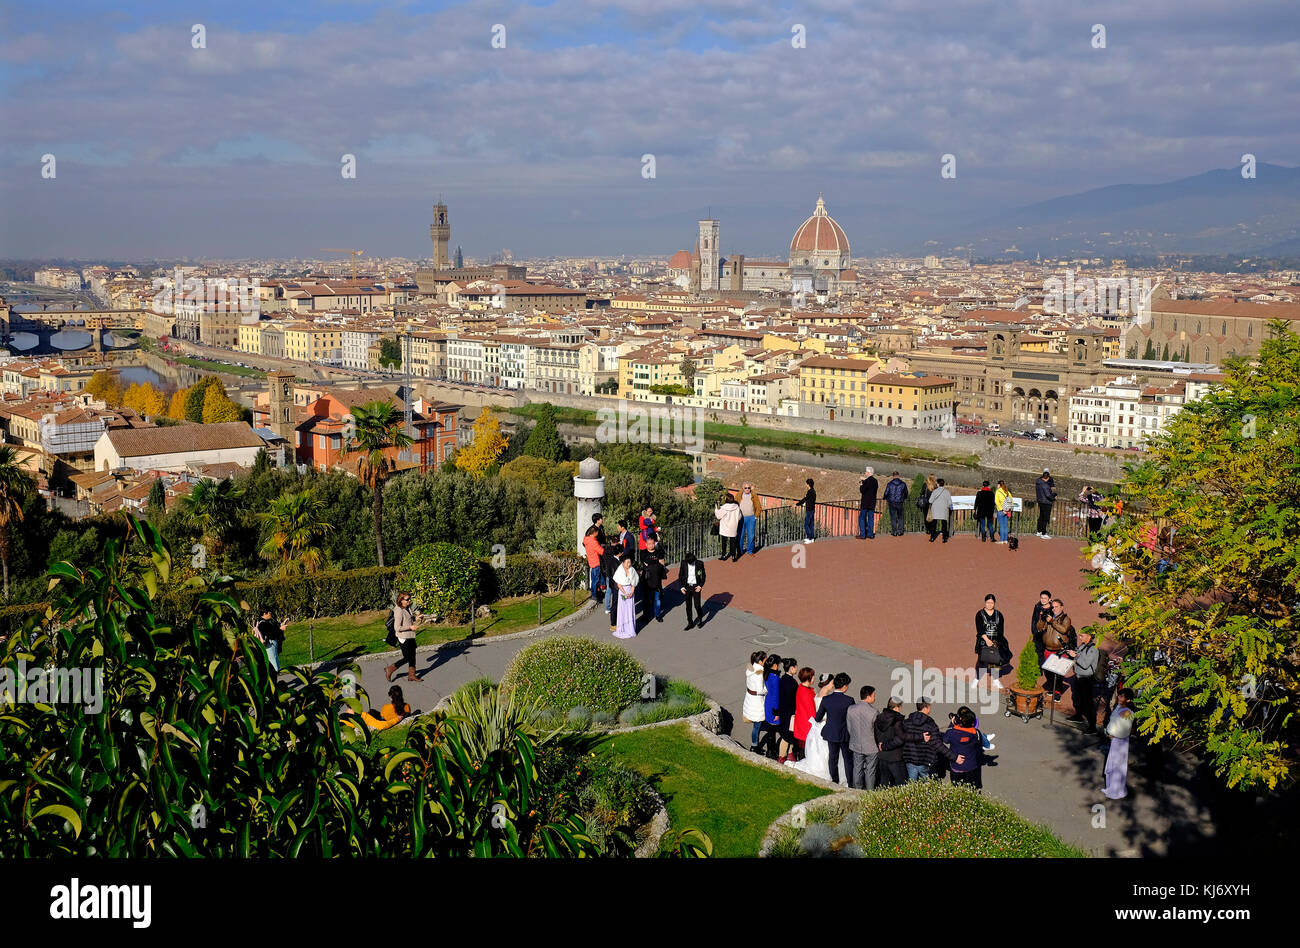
point(235, 150)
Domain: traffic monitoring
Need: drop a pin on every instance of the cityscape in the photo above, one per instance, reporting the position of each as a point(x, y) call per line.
point(361, 512)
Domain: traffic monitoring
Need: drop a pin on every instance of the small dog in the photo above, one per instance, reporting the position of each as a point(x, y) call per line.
point(1013, 543)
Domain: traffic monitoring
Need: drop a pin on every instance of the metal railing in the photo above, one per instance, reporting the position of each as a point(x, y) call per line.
point(783, 525)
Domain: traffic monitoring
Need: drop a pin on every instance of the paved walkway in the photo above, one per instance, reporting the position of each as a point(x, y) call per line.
point(1050, 773)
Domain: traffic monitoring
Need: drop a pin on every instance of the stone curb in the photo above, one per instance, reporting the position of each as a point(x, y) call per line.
point(817, 803)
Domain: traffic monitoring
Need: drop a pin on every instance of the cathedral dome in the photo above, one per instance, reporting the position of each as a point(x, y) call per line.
point(819, 234)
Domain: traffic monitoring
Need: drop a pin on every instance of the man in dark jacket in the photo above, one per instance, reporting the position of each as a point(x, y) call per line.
point(809, 505)
point(652, 571)
point(1045, 495)
point(895, 495)
point(834, 709)
point(690, 580)
point(985, 511)
point(889, 732)
point(922, 742)
point(789, 687)
point(1038, 623)
point(867, 488)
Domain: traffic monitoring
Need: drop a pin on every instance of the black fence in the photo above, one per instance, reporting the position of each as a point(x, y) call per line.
point(781, 526)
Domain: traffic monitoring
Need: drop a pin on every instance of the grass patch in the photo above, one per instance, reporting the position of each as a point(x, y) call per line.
point(710, 789)
point(216, 366)
point(772, 437)
point(362, 633)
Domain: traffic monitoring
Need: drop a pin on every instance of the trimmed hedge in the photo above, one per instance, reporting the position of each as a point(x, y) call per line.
point(442, 578)
point(566, 671)
point(329, 593)
point(527, 573)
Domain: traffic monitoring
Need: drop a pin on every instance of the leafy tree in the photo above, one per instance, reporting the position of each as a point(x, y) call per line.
point(646, 461)
point(157, 500)
point(556, 531)
point(196, 397)
point(193, 720)
point(145, 400)
point(477, 457)
point(294, 530)
point(15, 485)
point(211, 506)
point(545, 440)
point(1150, 352)
point(217, 407)
point(107, 387)
point(390, 353)
point(378, 431)
point(176, 407)
point(1164, 355)
point(1209, 615)
point(515, 443)
point(671, 390)
point(689, 370)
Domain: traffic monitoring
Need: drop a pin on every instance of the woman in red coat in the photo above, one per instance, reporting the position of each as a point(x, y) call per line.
point(805, 708)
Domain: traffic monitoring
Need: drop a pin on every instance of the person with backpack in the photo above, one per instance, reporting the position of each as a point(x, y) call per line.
point(985, 510)
point(402, 628)
point(271, 635)
point(895, 497)
point(939, 511)
point(1091, 509)
point(1003, 504)
point(1045, 495)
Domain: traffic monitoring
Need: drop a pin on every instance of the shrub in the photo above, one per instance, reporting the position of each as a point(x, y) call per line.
point(442, 578)
point(936, 819)
point(680, 699)
point(615, 805)
point(564, 671)
point(526, 573)
point(331, 593)
point(1027, 670)
point(12, 618)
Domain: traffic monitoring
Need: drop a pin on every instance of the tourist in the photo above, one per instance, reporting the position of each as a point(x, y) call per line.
point(646, 527)
point(598, 521)
point(922, 742)
point(816, 759)
point(771, 705)
point(889, 735)
point(271, 635)
point(1004, 504)
point(1045, 495)
point(923, 500)
point(1091, 509)
point(833, 709)
point(809, 505)
point(1118, 730)
point(785, 707)
point(991, 648)
point(626, 580)
point(1086, 659)
point(728, 517)
point(867, 488)
point(895, 496)
point(861, 720)
point(751, 505)
point(1058, 637)
point(390, 714)
point(964, 750)
point(751, 710)
point(653, 571)
point(404, 620)
point(805, 708)
point(595, 551)
point(1038, 623)
point(1110, 677)
point(939, 511)
point(985, 511)
point(690, 579)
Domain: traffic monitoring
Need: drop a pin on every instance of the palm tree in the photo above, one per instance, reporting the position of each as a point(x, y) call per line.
point(15, 484)
point(294, 530)
point(210, 506)
point(378, 427)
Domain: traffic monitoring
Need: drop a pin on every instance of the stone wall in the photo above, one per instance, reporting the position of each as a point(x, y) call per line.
point(1031, 457)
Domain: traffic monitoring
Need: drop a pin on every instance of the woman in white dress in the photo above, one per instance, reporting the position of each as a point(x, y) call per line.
point(1119, 729)
point(817, 754)
point(626, 579)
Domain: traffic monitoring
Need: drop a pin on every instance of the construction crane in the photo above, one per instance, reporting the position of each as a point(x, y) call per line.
point(354, 253)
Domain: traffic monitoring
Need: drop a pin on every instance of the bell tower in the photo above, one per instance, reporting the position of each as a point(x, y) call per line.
point(709, 277)
point(440, 231)
point(283, 418)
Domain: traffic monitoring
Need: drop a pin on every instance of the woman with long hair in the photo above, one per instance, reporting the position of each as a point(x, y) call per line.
point(404, 619)
point(923, 501)
point(390, 714)
point(626, 579)
point(751, 709)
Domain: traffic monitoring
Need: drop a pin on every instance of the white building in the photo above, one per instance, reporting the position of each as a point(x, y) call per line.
point(1124, 412)
point(465, 359)
point(177, 447)
point(356, 343)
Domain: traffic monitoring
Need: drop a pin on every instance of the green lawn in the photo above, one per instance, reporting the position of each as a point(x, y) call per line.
point(772, 437)
point(363, 633)
point(216, 366)
point(709, 789)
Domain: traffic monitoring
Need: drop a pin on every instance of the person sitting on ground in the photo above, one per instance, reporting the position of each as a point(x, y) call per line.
point(390, 714)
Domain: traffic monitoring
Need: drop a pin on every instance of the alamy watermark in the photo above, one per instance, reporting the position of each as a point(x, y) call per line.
point(179, 293)
point(676, 427)
point(1086, 296)
point(37, 684)
point(943, 686)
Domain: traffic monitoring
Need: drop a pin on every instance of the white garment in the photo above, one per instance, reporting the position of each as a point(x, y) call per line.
point(752, 709)
point(690, 575)
point(625, 577)
point(817, 753)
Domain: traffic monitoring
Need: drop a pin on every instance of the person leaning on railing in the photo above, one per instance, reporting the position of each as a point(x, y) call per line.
point(809, 504)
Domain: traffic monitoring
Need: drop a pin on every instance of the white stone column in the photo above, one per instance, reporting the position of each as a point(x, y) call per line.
point(589, 489)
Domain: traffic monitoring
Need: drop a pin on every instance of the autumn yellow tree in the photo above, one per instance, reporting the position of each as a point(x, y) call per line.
point(479, 456)
point(105, 386)
point(145, 400)
point(219, 407)
point(176, 408)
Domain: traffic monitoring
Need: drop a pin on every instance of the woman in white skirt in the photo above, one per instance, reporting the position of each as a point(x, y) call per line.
point(1118, 730)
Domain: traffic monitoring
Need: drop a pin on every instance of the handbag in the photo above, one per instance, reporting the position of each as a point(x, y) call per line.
point(391, 627)
point(713, 528)
point(990, 655)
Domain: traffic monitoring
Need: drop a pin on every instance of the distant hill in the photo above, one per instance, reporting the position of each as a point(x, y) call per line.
point(1211, 213)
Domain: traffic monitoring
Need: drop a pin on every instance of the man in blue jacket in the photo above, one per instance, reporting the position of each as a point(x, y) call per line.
point(834, 709)
point(895, 495)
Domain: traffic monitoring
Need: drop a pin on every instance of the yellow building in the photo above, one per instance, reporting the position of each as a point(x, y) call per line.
point(250, 338)
point(305, 342)
point(641, 370)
